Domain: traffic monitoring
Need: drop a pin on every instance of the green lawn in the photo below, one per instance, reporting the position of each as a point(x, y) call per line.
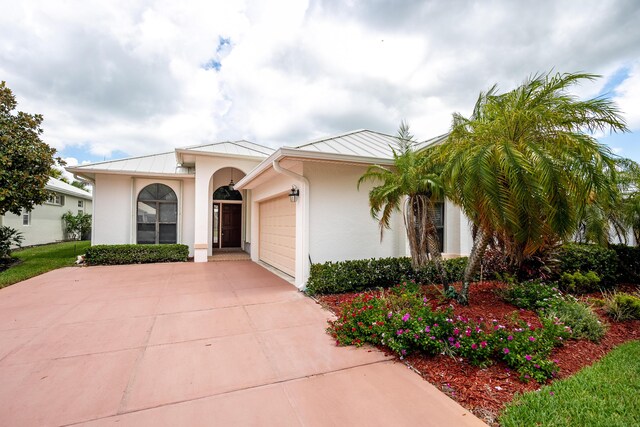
point(40, 259)
point(605, 394)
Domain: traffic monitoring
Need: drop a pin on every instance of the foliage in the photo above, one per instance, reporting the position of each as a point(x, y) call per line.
point(622, 306)
point(583, 322)
point(25, 161)
point(530, 295)
point(135, 254)
point(415, 189)
point(524, 165)
point(76, 226)
point(9, 237)
point(628, 263)
point(40, 259)
point(584, 258)
point(604, 394)
point(358, 275)
point(402, 319)
point(578, 283)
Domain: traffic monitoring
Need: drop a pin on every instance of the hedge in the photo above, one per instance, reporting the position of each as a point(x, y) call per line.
point(135, 254)
point(358, 275)
point(603, 261)
point(628, 263)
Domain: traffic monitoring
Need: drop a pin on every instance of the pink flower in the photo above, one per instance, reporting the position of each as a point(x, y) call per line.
point(468, 332)
point(406, 317)
point(528, 357)
point(427, 329)
point(457, 345)
point(505, 350)
point(532, 339)
point(456, 331)
point(551, 393)
point(510, 337)
point(483, 344)
point(474, 346)
point(399, 332)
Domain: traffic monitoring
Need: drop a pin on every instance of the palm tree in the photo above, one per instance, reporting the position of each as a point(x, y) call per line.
point(524, 165)
point(409, 187)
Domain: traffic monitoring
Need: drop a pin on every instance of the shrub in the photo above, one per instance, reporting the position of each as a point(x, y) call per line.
point(578, 283)
point(76, 226)
point(135, 254)
point(622, 306)
point(629, 263)
point(584, 323)
point(358, 275)
point(584, 258)
point(9, 237)
point(530, 295)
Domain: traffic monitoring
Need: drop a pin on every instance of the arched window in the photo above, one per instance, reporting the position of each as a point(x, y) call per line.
point(157, 215)
point(226, 193)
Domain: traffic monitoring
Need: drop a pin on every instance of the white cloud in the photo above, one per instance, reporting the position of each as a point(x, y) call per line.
point(628, 97)
point(140, 77)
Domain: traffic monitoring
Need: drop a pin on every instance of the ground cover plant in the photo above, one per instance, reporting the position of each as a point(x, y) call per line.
point(605, 394)
point(40, 259)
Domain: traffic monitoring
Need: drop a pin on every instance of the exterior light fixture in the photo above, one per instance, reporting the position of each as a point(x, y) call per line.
point(231, 183)
point(293, 195)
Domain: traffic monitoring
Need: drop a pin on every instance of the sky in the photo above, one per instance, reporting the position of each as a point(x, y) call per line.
point(126, 78)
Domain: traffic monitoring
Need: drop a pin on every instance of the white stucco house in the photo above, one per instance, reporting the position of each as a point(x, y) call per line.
point(43, 224)
point(287, 207)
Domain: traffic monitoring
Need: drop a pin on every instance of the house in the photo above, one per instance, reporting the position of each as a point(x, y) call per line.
point(288, 207)
point(44, 223)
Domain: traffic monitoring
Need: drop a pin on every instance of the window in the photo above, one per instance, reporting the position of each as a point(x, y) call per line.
point(157, 215)
point(225, 193)
point(56, 199)
point(26, 217)
point(81, 203)
point(439, 223)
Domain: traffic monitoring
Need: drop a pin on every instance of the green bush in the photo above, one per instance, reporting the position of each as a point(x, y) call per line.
point(358, 275)
point(629, 263)
point(578, 283)
point(584, 323)
point(530, 295)
point(9, 237)
point(622, 306)
point(584, 258)
point(135, 254)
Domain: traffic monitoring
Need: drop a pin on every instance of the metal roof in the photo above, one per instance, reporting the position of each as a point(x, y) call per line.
point(164, 163)
point(62, 187)
point(235, 148)
point(361, 143)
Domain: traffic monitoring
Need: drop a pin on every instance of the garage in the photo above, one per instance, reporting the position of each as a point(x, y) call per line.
point(278, 234)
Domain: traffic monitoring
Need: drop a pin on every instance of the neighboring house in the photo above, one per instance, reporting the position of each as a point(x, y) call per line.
point(287, 207)
point(43, 224)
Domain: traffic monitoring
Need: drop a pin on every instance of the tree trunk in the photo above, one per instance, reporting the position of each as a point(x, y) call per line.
point(475, 258)
point(433, 246)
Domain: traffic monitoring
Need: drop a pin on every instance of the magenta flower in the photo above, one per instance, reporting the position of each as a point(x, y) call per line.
point(510, 337)
point(537, 366)
point(532, 339)
point(427, 329)
point(474, 346)
point(468, 332)
point(435, 325)
point(528, 357)
point(457, 345)
point(406, 317)
point(551, 393)
point(505, 350)
point(399, 332)
point(456, 331)
point(483, 344)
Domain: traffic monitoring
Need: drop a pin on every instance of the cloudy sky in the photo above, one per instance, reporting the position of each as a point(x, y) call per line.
point(121, 78)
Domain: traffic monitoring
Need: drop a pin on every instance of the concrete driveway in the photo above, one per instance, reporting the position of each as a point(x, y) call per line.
point(225, 343)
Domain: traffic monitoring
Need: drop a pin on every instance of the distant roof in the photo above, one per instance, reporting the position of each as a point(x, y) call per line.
point(361, 143)
point(62, 187)
point(236, 148)
point(164, 163)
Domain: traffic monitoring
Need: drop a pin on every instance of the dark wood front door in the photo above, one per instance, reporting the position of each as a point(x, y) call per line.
point(231, 228)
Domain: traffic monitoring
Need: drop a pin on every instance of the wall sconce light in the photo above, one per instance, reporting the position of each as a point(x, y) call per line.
point(293, 195)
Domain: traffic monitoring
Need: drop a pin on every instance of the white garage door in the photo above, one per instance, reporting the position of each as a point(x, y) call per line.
point(278, 234)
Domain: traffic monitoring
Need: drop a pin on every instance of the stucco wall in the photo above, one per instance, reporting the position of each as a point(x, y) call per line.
point(341, 226)
point(46, 221)
point(111, 210)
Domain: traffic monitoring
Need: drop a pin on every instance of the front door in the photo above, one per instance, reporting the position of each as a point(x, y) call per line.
point(231, 228)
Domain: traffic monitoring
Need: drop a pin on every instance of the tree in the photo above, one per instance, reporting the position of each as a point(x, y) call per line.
point(409, 186)
point(524, 165)
point(25, 161)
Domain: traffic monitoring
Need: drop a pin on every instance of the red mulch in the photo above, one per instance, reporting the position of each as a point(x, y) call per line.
point(485, 391)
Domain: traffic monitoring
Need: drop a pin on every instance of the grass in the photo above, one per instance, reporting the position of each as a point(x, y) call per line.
point(604, 394)
point(40, 259)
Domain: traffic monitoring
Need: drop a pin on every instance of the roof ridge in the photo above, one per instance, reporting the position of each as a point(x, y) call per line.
point(341, 135)
point(125, 158)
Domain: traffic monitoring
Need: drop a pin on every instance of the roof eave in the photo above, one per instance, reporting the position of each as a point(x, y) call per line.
point(86, 172)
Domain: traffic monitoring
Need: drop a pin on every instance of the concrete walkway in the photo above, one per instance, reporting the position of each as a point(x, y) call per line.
point(225, 343)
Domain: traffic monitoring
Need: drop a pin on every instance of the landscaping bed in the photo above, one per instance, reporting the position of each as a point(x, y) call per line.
point(486, 390)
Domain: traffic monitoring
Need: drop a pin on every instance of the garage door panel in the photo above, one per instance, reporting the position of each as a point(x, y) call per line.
point(278, 233)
